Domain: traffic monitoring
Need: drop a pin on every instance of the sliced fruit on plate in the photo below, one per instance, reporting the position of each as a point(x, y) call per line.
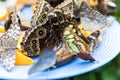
point(3, 15)
point(21, 57)
point(23, 60)
point(2, 29)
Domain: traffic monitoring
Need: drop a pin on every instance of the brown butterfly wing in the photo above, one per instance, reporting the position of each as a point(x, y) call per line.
point(42, 8)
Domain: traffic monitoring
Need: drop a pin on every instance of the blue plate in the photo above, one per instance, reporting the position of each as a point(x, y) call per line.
point(107, 50)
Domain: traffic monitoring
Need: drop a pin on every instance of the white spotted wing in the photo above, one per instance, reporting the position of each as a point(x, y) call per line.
point(92, 19)
point(8, 42)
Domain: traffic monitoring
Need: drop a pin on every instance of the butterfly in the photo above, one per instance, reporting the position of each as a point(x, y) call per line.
point(8, 42)
point(42, 35)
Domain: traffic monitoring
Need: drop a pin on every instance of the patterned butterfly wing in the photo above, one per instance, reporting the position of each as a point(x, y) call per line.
point(93, 40)
point(41, 13)
point(7, 57)
point(30, 42)
point(48, 34)
point(67, 7)
point(9, 39)
point(75, 42)
point(70, 8)
point(91, 19)
point(9, 22)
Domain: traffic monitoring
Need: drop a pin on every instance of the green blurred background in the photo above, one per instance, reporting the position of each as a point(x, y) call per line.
point(110, 71)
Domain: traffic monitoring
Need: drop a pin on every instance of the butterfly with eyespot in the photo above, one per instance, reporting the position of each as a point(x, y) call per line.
point(47, 35)
point(40, 16)
point(42, 35)
point(8, 42)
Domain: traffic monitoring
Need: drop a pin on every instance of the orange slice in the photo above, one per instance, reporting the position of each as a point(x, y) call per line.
point(23, 60)
point(21, 57)
point(2, 29)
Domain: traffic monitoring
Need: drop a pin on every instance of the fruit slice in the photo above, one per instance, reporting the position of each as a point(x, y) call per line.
point(23, 60)
point(2, 29)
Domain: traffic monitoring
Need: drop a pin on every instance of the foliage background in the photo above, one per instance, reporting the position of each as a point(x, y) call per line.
point(110, 71)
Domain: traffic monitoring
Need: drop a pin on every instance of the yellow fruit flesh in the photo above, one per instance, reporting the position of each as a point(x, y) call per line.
point(3, 15)
point(2, 29)
point(21, 57)
point(84, 32)
point(22, 60)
